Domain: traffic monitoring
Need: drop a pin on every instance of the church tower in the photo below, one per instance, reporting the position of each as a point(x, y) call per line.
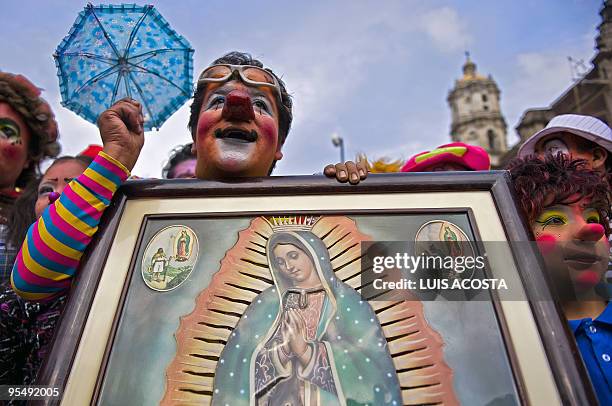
point(476, 114)
point(604, 39)
point(603, 59)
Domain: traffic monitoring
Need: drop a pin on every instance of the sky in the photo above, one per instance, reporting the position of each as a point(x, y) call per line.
point(377, 73)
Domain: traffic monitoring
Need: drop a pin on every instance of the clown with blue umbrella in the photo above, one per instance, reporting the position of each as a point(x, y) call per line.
point(118, 51)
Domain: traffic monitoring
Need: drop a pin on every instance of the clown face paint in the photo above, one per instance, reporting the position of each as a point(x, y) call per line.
point(10, 130)
point(237, 132)
point(568, 144)
point(574, 246)
point(55, 180)
point(14, 142)
point(184, 169)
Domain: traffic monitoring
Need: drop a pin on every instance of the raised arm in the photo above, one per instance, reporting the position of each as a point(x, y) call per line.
point(54, 244)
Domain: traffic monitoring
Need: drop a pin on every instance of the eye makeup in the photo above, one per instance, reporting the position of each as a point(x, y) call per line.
point(552, 218)
point(591, 216)
point(10, 130)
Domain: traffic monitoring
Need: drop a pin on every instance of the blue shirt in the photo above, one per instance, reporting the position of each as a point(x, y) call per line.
point(594, 339)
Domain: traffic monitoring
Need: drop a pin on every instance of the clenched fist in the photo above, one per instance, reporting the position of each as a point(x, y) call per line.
point(122, 132)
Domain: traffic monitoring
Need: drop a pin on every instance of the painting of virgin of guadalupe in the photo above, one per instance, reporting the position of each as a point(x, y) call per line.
point(322, 340)
point(182, 246)
point(282, 323)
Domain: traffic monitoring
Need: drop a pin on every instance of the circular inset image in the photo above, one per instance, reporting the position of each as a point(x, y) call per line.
point(169, 258)
point(441, 238)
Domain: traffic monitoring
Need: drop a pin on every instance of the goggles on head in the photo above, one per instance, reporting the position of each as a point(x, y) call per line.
point(251, 75)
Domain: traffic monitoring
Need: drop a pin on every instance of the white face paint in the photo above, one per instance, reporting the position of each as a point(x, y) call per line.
point(554, 146)
point(233, 152)
point(221, 157)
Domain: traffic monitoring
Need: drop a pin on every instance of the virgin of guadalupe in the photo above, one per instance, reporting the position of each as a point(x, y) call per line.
point(182, 246)
point(309, 339)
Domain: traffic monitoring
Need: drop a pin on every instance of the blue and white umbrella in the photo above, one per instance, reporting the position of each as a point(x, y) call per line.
point(117, 51)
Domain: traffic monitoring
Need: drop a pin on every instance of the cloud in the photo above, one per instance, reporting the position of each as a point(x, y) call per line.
point(343, 54)
point(446, 29)
point(539, 78)
point(355, 52)
point(349, 66)
point(543, 76)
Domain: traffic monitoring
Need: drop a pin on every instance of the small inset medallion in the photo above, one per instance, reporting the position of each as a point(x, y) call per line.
point(169, 258)
point(440, 238)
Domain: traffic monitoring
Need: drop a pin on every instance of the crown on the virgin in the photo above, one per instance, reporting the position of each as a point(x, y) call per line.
point(292, 223)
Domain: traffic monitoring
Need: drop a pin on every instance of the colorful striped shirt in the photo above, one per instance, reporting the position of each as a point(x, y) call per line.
point(50, 254)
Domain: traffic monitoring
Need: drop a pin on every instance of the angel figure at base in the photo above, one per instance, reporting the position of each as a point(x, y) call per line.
point(309, 339)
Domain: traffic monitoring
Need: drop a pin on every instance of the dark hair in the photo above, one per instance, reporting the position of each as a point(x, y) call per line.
point(584, 146)
point(536, 179)
point(177, 155)
point(84, 159)
point(29, 174)
point(285, 105)
point(22, 212)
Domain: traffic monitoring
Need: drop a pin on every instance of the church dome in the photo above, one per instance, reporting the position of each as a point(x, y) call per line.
point(469, 71)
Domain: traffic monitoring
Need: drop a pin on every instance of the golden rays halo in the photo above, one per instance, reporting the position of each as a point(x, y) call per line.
point(416, 349)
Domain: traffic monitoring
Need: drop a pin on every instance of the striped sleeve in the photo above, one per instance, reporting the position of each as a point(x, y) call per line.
point(55, 243)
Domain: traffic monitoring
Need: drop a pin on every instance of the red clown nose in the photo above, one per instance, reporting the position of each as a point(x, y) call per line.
point(53, 196)
point(591, 232)
point(238, 106)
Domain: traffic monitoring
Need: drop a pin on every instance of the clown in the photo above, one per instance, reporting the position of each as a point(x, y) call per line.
point(240, 119)
point(71, 198)
point(567, 208)
point(28, 134)
point(580, 137)
point(181, 164)
point(577, 136)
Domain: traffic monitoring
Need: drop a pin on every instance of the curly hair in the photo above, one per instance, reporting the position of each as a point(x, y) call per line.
point(564, 180)
point(177, 155)
point(24, 98)
point(285, 105)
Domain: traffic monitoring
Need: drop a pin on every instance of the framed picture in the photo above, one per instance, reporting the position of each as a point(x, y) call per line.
point(254, 293)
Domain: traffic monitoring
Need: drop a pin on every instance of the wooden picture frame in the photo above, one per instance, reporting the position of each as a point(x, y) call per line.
point(543, 359)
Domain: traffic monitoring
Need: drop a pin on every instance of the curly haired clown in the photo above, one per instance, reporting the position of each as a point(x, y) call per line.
point(28, 134)
point(567, 207)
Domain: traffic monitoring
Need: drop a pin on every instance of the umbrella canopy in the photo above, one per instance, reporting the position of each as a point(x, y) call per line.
point(117, 51)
